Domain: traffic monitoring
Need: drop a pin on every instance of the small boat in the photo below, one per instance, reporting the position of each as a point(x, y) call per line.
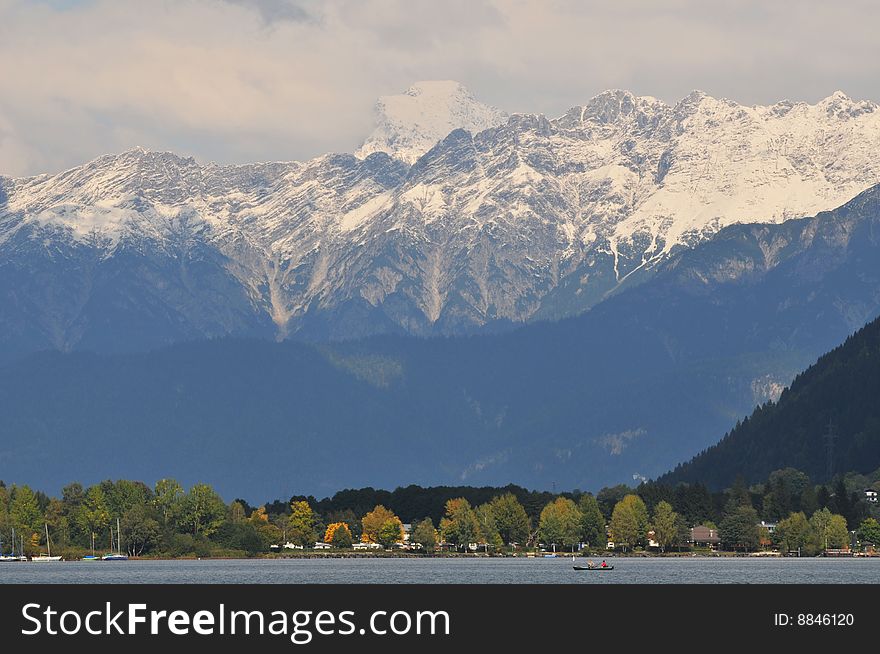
point(46, 558)
point(92, 556)
point(596, 567)
point(117, 555)
point(12, 557)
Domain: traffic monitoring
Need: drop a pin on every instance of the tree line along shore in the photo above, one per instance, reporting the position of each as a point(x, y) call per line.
point(785, 514)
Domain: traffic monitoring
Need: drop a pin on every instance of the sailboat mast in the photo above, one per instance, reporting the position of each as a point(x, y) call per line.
point(118, 537)
point(48, 546)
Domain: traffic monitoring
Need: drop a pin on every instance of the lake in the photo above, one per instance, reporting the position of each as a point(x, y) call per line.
point(740, 570)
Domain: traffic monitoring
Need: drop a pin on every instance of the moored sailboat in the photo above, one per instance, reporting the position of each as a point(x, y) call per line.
point(46, 558)
point(117, 555)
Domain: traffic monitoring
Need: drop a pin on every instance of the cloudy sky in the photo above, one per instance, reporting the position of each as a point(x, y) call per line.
point(256, 80)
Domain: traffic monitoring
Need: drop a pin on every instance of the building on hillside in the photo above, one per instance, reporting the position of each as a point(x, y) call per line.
point(871, 495)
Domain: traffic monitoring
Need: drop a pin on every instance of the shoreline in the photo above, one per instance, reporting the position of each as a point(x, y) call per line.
point(468, 555)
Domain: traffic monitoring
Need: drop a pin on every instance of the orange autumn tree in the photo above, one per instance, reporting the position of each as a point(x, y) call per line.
point(338, 534)
point(378, 525)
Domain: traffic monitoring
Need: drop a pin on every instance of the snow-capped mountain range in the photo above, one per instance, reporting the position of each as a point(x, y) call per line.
point(452, 217)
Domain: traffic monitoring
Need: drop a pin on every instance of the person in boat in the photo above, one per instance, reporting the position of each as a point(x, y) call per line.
point(590, 565)
point(604, 565)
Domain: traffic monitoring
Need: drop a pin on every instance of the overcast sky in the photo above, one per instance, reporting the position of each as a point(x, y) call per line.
point(257, 80)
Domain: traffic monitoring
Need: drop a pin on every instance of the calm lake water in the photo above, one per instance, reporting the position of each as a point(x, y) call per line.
point(451, 571)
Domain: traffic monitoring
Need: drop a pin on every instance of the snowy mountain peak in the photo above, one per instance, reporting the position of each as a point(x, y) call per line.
point(506, 219)
point(839, 105)
point(410, 124)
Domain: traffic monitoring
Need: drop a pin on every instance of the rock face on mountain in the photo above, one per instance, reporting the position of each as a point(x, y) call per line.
point(528, 219)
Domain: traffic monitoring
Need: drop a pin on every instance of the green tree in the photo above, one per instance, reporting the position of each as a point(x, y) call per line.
point(793, 533)
point(739, 528)
point(592, 521)
point(93, 517)
point(820, 522)
point(783, 493)
point(869, 531)
point(809, 503)
point(24, 510)
point(511, 519)
point(203, 510)
point(838, 533)
point(560, 523)
point(460, 525)
point(123, 494)
point(666, 527)
point(424, 534)
point(629, 522)
point(140, 530)
point(738, 495)
point(72, 497)
point(168, 499)
point(390, 532)
point(489, 533)
point(301, 524)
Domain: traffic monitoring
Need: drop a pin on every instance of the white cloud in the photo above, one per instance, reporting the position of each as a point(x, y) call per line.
point(240, 80)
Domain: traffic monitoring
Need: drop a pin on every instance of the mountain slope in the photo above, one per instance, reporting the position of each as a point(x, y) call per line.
point(645, 380)
point(530, 219)
point(840, 389)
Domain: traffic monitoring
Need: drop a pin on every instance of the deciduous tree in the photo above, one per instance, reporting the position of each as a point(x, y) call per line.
point(373, 521)
point(488, 528)
point(629, 522)
point(425, 535)
point(592, 521)
point(510, 518)
point(168, 499)
point(460, 525)
point(666, 531)
point(93, 517)
point(869, 531)
point(391, 532)
point(793, 533)
point(739, 529)
point(338, 534)
point(25, 511)
point(140, 531)
point(560, 523)
point(203, 510)
point(301, 524)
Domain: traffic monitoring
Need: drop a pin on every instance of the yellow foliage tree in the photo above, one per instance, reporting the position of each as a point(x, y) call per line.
point(374, 521)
